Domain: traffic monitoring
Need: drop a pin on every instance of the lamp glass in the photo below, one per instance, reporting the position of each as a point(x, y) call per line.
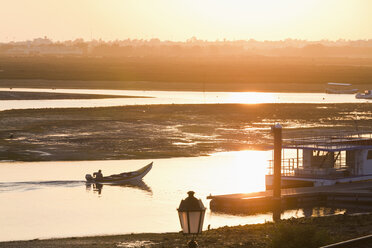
point(196, 221)
point(192, 221)
point(183, 221)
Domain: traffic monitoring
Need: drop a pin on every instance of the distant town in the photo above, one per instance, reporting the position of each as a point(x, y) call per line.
point(192, 47)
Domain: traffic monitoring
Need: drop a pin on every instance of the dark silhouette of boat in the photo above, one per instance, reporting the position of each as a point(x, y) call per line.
point(121, 178)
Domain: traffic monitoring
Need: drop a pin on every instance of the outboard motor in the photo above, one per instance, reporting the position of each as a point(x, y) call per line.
point(89, 177)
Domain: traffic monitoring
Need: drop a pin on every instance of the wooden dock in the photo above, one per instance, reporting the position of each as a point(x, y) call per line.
point(340, 195)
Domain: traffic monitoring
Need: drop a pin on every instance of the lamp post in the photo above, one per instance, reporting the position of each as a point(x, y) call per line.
point(191, 213)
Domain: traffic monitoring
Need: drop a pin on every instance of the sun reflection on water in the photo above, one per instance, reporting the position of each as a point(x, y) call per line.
point(252, 97)
point(40, 193)
point(245, 173)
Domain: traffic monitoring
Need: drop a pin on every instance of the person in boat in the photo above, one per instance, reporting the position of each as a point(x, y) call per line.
point(98, 175)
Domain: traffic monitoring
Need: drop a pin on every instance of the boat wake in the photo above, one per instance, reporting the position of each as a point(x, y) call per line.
point(34, 185)
point(6, 187)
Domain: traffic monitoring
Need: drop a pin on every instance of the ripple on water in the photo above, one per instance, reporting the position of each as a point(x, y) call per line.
point(135, 244)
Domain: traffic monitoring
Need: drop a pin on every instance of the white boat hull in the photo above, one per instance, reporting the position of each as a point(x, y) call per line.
point(295, 182)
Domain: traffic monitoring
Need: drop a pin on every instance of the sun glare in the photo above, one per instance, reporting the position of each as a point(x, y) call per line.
point(251, 18)
point(249, 179)
point(251, 97)
point(246, 172)
point(181, 19)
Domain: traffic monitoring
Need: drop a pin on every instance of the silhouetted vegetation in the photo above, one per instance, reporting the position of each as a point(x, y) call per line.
point(288, 235)
point(226, 74)
point(243, 65)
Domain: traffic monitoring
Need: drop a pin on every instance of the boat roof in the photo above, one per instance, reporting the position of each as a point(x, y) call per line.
point(339, 84)
point(335, 148)
point(343, 141)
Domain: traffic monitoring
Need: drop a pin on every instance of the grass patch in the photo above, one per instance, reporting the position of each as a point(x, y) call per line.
point(294, 236)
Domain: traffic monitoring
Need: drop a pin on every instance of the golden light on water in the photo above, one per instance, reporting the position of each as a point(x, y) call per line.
point(252, 168)
point(244, 173)
point(251, 97)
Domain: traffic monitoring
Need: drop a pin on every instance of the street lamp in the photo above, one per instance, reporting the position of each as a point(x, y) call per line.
point(191, 213)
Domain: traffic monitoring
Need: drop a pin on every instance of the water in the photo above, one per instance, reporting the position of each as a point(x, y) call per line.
point(50, 199)
point(172, 97)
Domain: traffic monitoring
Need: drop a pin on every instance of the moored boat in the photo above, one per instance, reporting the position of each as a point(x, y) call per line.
point(121, 178)
point(335, 158)
point(340, 88)
point(366, 95)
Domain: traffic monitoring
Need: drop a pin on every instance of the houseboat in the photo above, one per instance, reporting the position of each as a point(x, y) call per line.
point(334, 158)
point(340, 88)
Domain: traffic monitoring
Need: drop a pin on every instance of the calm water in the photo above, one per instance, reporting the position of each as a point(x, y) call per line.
point(172, 97)
point(50, 199)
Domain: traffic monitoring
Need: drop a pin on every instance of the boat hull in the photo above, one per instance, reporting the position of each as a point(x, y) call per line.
point(363, 96)
point(121, 178)
point(297, 182)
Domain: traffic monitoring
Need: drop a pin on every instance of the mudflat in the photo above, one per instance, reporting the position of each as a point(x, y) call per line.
point(22, 95)
point(163, 131)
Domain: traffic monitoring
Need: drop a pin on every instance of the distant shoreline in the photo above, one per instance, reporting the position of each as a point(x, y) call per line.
point(170, 86)
point(200, 73)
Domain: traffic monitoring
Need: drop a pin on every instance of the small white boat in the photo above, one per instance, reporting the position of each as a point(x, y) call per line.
point(366, 95)
point(340, 88)
point(121, 178)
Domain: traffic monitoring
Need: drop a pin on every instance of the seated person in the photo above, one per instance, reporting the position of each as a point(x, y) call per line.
point(98, 175)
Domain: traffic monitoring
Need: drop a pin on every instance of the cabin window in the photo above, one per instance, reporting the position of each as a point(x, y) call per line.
point(369, 155)
point(319, 153)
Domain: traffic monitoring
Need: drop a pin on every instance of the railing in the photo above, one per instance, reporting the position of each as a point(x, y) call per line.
point(294, 167)
point(289, 166)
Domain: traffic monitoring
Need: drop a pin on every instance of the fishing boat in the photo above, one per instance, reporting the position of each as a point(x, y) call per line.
point(340, 88)
point(366, 95)
point(121, 178)
point(327, 159)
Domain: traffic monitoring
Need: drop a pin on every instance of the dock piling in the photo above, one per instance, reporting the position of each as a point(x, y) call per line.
point(277, 131)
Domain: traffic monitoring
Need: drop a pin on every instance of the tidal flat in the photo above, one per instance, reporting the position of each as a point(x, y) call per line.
point(302, 232)
point(164, 131)
point(21, 95)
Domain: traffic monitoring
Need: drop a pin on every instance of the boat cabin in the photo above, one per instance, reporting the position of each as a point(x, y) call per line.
point(325, 160)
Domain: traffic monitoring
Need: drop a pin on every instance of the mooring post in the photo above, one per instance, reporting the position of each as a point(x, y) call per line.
point(277, 130)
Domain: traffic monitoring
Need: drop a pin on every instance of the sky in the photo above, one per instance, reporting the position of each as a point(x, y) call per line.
point(180, 20)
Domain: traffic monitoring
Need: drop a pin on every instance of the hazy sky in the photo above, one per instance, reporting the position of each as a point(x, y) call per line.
point(182, 19)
